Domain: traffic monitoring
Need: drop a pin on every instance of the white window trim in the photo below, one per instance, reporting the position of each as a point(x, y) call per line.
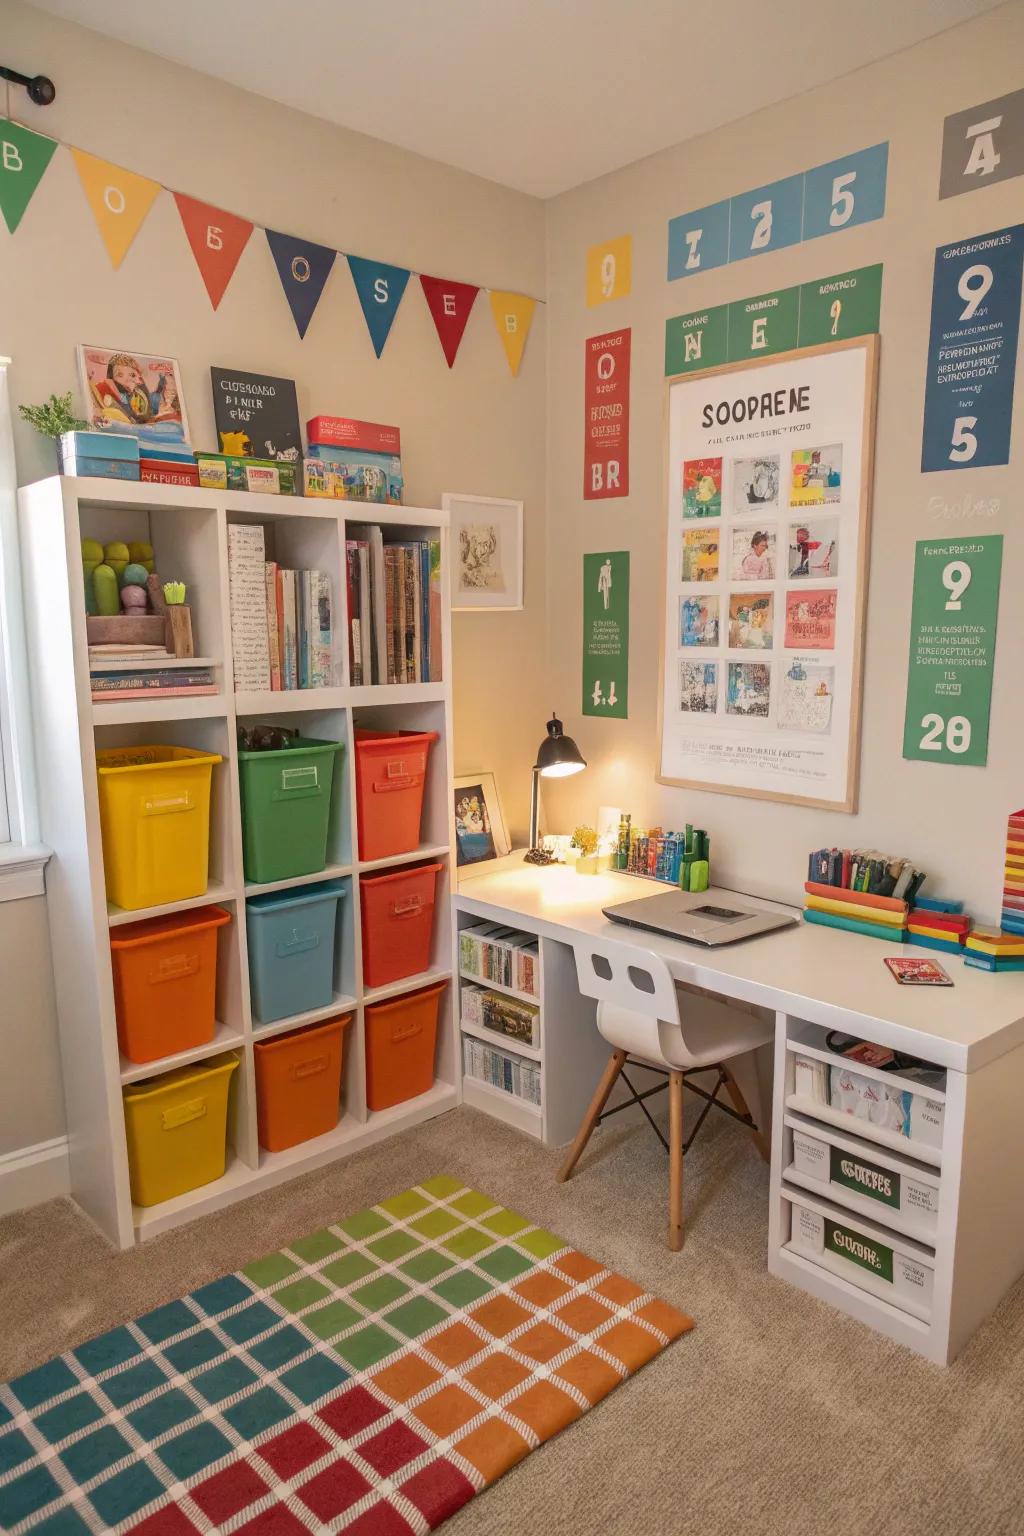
point(22, 858)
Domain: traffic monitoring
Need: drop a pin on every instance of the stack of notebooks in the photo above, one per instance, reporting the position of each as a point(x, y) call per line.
point(394, 608)
point(991, 949)
point(936, 923)
point(882, 917)
point(141, 672)
point(1013, 875)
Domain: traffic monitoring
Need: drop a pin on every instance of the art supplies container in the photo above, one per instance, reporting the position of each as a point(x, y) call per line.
point(401, 1037)
point(391, 771)
point(398, 923)
point(165, 982)
point(291, 937)
point(286, 805)
point(155, 823)
point(176, 1128)
point(298, 1083)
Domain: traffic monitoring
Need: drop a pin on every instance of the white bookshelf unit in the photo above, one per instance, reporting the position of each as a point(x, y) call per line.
point(188, 530)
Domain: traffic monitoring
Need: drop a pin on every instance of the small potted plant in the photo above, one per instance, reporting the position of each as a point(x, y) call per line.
point(589, 861)
point(53, 419)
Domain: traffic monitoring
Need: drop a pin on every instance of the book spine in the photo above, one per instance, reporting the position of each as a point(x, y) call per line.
point(410, 566)
point(145, 693)
point(417, 611)
point(435, 673)
point(247, 594)
point(273, 638)
point(290, 668)
point(322, 627)
point(110, 681)
point(857, 898)
point(851, 925)
point(423, 550)
point(353, 592)
point(391, 606)
point(305, 627)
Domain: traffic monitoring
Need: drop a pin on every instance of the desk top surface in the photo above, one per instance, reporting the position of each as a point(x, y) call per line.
point(830, 977)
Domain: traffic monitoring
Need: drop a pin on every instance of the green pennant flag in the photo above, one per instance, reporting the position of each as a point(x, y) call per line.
point(24, 156)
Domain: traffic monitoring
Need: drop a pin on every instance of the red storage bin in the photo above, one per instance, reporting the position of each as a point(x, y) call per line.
point(401, 1038)
point(398, 923)
point(298, 1083)
point(165, 982)
point(391, 771)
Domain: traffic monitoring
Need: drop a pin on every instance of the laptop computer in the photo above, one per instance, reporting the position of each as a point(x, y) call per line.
point(706, 917)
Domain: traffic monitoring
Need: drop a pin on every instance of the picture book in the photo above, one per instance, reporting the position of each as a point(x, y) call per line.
point(698, 687)
point(751, 620)
point(698, 620)
point(918, 973)
point(806, 697)
point(814, 548)
point(702, 488)
point(816, 476)
point(753, 554)
point(755, 484)
point(256, 415)
point(748, 689)
point(700, 554)
point(811, 619)
point(135, 394)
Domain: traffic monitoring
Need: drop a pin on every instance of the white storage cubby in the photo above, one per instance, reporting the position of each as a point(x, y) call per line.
point(188, 531)
point(875, 1183)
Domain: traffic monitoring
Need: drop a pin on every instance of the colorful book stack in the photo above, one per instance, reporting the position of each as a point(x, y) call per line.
point(938, 924)
point(991, 949)
point(862, 891)
point(1013, 875)
point(881, 917)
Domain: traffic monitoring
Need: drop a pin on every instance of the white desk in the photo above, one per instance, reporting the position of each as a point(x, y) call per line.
point(814, 979)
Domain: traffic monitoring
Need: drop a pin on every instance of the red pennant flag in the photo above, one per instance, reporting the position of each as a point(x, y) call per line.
point(217, 240)
point(450, 304)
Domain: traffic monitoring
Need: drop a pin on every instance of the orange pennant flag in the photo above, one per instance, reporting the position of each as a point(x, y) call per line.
point(119, 199)
point(217, 240)
point(513, 316)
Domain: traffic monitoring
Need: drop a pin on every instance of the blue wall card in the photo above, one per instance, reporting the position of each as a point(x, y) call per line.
point(303, 269)
point(845, 192)
point(698, 241)
point(766, 219)
point(380, 289)
point(972, 351)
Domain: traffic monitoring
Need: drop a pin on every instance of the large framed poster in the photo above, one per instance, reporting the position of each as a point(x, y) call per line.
point(766, 556)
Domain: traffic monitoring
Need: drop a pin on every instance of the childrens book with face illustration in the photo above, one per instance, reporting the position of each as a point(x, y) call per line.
point(134, 394)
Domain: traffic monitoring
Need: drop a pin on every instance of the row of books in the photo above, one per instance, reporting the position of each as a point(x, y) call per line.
point(508, 1016)
point(512, 1074)
point(282, 620)
point(139, 672)
point(495, 953)
point(394, 608)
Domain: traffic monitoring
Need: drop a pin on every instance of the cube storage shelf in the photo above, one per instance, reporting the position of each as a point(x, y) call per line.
point(188, 529)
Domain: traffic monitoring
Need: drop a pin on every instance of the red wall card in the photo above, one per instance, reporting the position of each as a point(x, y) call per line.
point(606, 416)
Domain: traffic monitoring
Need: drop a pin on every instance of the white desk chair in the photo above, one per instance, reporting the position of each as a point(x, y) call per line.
point(649, 1023)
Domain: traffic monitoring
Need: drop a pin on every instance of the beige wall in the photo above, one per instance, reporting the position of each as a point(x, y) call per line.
point(473, 428)
point(950, 819)
point(31, 1100)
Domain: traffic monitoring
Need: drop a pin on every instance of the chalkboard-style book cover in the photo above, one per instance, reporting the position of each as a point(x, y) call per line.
point(257, 416)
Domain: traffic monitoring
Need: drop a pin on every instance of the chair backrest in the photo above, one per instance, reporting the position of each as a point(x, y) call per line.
point(627, 977)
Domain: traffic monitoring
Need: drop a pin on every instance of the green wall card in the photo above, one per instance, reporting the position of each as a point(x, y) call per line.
point(952, 647)
point(606, 634)
point(24, 156)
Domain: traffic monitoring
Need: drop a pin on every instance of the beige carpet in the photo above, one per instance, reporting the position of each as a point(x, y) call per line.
point(775, 1415)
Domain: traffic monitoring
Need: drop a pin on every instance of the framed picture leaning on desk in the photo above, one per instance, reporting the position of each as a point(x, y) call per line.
point(480, 835)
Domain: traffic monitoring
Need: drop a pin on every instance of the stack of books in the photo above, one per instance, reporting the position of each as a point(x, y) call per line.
point(282, 634)
point(394, 609)
point(833, 906)
point(936, 923)
point(144, 672)
point(991, 949)
point(172, 463)
point(1013, 875)
point(512, 1074)
point(491, 952)
point(508, 1016)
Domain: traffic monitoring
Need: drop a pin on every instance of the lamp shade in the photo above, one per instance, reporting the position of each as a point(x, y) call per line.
point(558, 755)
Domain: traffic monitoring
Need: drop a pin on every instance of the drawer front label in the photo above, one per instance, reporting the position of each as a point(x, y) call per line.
point(866, 1178)
point(864, 1251)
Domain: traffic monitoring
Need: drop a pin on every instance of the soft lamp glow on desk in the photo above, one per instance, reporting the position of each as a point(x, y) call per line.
point(558, 756)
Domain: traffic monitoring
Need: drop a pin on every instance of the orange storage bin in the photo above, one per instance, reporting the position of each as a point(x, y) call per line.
point(298, 1083)
point(391, 771)
point(401, 1037)
point(398, 923)
point(165, 982)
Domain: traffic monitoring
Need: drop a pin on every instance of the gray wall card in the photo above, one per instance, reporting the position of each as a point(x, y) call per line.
point(982, 145)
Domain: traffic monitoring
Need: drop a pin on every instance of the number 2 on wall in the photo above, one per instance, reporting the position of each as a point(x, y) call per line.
point(957, 732)
point(761, 213)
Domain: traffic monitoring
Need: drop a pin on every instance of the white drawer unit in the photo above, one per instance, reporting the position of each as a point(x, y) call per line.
point(896, 1110)
point(867, 1179)
point(869, 1257)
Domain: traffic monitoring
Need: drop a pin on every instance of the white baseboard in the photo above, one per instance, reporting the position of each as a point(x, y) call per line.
point(34, 1174)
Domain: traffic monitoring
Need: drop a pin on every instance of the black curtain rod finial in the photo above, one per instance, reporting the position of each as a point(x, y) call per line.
point(41, 88)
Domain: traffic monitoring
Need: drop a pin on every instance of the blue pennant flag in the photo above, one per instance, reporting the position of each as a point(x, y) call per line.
point(380, 289)
point(303, 269)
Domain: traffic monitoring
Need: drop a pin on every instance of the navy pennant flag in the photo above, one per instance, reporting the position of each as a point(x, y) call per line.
point(303, 269)
point(380, 289)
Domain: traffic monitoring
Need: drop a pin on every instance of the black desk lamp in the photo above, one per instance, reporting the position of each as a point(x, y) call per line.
point(557, 757)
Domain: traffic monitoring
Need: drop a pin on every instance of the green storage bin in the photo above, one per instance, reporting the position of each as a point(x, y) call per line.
point(286, 808)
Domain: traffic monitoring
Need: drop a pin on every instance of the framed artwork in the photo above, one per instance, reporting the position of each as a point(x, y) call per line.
point(487, 548)
point(134, 394)
point(775, 458)
point(480, 834)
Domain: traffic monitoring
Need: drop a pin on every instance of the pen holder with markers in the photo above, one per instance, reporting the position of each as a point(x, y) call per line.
point(677, 858)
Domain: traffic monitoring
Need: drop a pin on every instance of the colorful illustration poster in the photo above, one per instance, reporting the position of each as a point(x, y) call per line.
point(983, 145)
point(134, 394)
point(764, 603)
point(702, 488)
point(606, 634)
point(606, 416)
point(972, 351)
point(952, 649)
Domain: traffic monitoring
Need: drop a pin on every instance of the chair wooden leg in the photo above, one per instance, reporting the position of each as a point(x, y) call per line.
point(616, 1062)
point(741, 1107)
point(675, 1161)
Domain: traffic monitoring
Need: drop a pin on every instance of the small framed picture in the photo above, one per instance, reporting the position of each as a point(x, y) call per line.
point(480, 834)
point(133, 393)
point(487, 550)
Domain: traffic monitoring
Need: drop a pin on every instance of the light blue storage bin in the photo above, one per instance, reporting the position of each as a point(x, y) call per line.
point(291, 949)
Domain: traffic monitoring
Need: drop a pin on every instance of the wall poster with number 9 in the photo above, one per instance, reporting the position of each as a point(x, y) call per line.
point(609, 270)
point(972, 351)
point(952, 645)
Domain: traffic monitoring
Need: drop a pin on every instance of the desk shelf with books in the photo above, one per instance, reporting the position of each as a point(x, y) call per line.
point(189, 529)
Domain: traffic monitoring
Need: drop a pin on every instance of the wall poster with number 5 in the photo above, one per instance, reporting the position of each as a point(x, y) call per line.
point(972, 351)
point(766, 591)
point(952, 647)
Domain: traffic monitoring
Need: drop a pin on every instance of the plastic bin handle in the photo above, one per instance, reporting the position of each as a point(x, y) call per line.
point(311, 1067)
point(406, 1031)
point(174, 967)
point(298, 782)
point(411, 906)
point(168, 805)
point(296, 944)
point(397, 781)
point(182, 1114)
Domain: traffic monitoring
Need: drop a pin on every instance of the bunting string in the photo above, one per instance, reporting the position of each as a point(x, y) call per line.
point(120, 201)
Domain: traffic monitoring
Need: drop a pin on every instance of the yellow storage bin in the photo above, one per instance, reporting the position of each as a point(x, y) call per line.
point(176, 1127)
point(155, 820)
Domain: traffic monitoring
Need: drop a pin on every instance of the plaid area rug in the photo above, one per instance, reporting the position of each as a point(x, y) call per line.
point(369, 1378)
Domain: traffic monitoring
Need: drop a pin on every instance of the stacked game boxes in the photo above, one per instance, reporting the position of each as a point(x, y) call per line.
point(991, 949)
point(938, 924)
point(1013, 876)
point(861, 891)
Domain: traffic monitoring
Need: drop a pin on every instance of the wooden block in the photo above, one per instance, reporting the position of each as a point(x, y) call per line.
point(126, 629)
point(179, 629)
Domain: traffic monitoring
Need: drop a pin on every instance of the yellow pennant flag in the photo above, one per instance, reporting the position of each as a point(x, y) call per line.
point(119, 201)
point(513, 315)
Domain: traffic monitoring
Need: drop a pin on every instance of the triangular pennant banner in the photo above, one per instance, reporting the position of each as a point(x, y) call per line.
point(513, 316)
point(450, 304)
point(217, 240)
point(24, 156)
point(380, 289)
point(303, 269)
point(119, 201)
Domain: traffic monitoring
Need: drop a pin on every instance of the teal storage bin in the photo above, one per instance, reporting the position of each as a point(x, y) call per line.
point(291, 936)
